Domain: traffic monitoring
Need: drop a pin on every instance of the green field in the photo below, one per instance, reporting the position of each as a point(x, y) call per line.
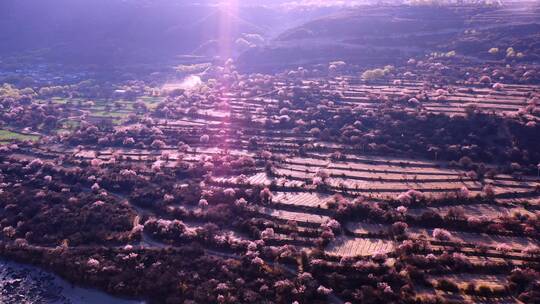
point(151, 102)
point(102, 108)
point(8, 136)
point(109, 114)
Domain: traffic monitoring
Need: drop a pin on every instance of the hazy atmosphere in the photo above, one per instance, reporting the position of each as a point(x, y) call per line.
point(288, 152)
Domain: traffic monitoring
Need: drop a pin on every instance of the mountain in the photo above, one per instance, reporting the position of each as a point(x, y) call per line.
point(378, 34)
point(107, 31)
point(121, 31)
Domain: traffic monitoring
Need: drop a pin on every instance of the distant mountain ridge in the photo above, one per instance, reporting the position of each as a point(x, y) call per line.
point(115, 31)
point(101, 31)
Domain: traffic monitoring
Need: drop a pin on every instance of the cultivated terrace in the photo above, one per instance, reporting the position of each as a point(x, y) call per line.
point(330, 183)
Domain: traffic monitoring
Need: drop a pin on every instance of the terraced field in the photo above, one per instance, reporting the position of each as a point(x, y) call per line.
point(304, 218)
point(317, 183)
point(359, 247)
point(479, 239)
point(492, 212)
point(387, 178)
point(509, 99)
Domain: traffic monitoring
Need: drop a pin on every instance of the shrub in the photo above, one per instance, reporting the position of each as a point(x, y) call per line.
point(377, 73)
point(471, 288)
point(493, 50)
point(447, 285)
point(484, 290)
point(442, 234)
point(485, 79)
point(373, 74)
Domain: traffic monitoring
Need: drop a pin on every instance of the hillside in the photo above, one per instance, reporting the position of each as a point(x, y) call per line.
point(114, 31)
point(383, 34)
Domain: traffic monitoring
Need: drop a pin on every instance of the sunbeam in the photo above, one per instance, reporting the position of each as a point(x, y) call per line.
point(228, 12)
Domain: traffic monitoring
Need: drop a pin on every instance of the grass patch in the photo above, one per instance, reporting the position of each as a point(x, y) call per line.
point(8, 136)
point(109, 114)
point(151, 102)
point(69, 125)
point(60, 100)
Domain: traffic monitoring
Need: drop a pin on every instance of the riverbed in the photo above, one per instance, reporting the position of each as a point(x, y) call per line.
point(21, 283)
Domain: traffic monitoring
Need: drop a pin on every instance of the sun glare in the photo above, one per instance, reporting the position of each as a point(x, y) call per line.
point(269, 151)
point(227, 13)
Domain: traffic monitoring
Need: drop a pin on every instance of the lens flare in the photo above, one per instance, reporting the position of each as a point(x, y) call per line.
point(227, 13)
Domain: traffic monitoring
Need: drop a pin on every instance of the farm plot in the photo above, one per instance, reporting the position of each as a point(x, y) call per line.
point(378, 173)
point(423, 294)
point(482, 239)
point(172, 124)
point(168, 154)
point(385, 178)
point(151, 102)
point(300, 217)
point(509, 98)
point(288, 239)
point(374, 164)
point(363, 229)
point(98, 108)
point(357, 247)
point(504, 184)
point(8, 136)
point(532, 200)
point(303, 199)
point(371, 187)
point(258, 179)
point(380, 182)
point(476, 210)
point(463, 279)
